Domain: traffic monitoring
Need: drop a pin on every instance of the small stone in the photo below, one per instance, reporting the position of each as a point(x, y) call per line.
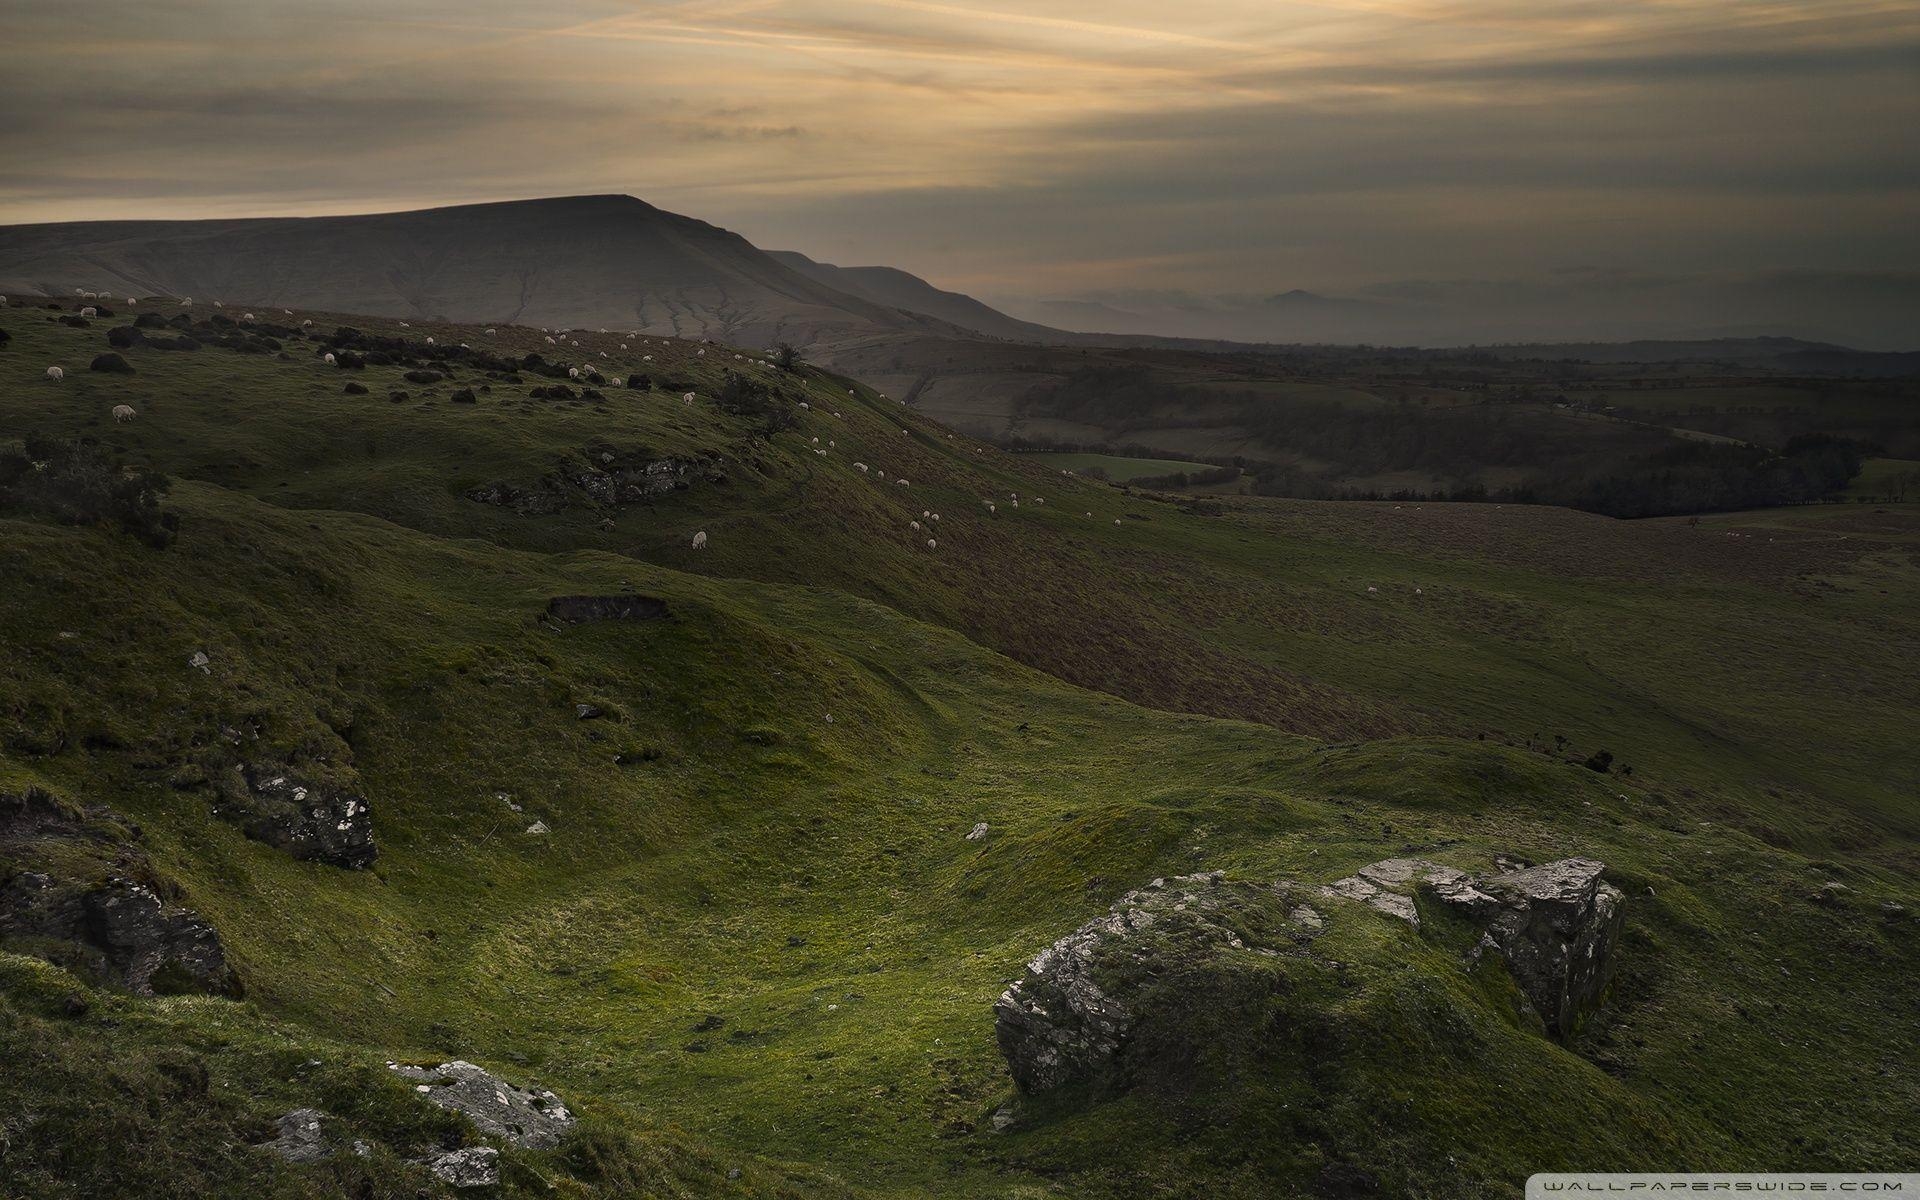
point(537, 828)
point(474, 1166)
point(977, 832)
point(201, 663)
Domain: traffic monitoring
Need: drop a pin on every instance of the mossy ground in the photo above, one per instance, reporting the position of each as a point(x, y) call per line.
point(719, 849)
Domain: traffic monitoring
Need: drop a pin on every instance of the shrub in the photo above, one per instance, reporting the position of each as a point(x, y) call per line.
point(786, 357)
point(463, 396)
point(639, 383)
point(124, 337)
point(355, 389)
point(111, 363)
point(76, 484)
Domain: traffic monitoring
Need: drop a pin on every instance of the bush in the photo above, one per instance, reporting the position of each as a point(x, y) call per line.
point(355, 389)
point(76, 484)
point(786, 357)
point(463, 396)
point(111, 363)
point(639, 383)
point(124, 337)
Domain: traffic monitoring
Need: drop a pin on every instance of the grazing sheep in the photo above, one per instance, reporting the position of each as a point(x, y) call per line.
point(573, 372)
point(489, 333)
point(246, 316)
point(616, 381)
point(688, 397)
point(1116, 520)
point(932, 545)
point(903, 483)
point(186, 302)
point(89, 312)
point(56, 374)
point(803, 403)
point(306, 322)
point(700, 540)
point(218, 304)
point(933, 516)
point(429, 340)
point(992, 509)
point(549, 341)
point(122, 412)
point(130, 301)
point(862, 467)
point(914, 524)
point(699, 353)
point(405, 325)
point(328, 359)
point(1371, 589)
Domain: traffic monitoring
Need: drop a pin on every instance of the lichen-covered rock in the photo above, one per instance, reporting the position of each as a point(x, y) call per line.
point(526, 1117)
point(1555, 926)
point(471, 1166)
point(1556, 930)
point(1076, 1015)
point(311, 820)
point(301, 1139)
point(77, 890)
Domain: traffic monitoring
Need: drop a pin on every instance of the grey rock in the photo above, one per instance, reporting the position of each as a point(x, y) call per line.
point(977, 832)
point(301, 1139)
point(575, 610)
point(472, 1166)
point(1557, 929)
point(525, 1117)
point(76, 889)
point(313, 821)
point(1070, 1017)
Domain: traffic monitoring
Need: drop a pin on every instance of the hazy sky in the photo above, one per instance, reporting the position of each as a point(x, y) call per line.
point(1044, 147)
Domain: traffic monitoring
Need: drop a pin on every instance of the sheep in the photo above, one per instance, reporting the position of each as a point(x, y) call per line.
point(3, 299)
point(249, 317)
point(286, 312)
point(489, 333)
point(56, 374)
point(89, 295)
point(405, 325)
point(700, 540)
point(699, 353)
point(646, 358)
point(816, 441)
point(1371, 589)
point(429, 340)
point(616, 381)
point(925, 513)
point(1116, 520)
point(329, 359)
point(932, 545)
point(903, 483)
point(861, 467)
point(933, 516)
point(991, 508)
point(122, 412)
point(89, 312)
point(306, 322)
point(186, 302)
point(803, 403)
point(573, 372)
point(130, 301)
point(688, 398)
point(80, 291)
point(218, 304)
point(914, 524)
point(549, 341)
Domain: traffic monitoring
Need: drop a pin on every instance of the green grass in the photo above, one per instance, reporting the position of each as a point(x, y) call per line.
point(1117, 701)
point(1887, 479)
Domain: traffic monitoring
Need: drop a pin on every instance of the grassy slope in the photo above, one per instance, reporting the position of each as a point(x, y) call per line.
point(1767, 728)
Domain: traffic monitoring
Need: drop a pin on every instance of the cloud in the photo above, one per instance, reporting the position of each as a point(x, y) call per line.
point(1048, 147)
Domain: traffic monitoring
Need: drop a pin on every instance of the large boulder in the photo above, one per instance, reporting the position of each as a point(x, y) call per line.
point(75, 889)
point(1554, 926)
point(1105, 1001)
point(526, 1117)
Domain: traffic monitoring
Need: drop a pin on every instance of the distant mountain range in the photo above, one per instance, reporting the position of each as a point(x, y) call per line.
point(617, 262)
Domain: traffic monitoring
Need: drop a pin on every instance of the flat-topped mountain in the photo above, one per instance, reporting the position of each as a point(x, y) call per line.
point(586, 261)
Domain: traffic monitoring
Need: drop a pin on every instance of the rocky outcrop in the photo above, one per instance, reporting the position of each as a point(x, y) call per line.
point(1074, 1016)
point(608, 478)
point(1555, 926)
point(525, 1117)
point(311, 820)
point(576, 610)
point(75, 889)
point(301, 1139)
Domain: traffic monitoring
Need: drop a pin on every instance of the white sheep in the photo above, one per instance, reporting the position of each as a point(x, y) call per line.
point(688, 397)
point(218, 304)
point(616, 381)
point(700, 540)
point(246, 316)
point(122, 412)
point(405, 325)
point(932, 545)
point(1116, 520)
point(903, 483)
point(89, 312)
point(429, 339)
point(56, 374)
point(803, 403)
point(489, 333)
point(306, 322)
point(991, 508)
point(549, 341)
point(862, 467)
point(573, 372)
point(914, 524)
point(933, 516)
point(699, 353)
point(89, 295)
point(186, 302)
point(329, 359)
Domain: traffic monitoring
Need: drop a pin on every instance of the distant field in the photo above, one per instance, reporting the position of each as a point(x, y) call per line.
point(1881, 477)
point(1121, 469)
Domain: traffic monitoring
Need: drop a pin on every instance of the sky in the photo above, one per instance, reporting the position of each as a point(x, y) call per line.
point(1042, 148)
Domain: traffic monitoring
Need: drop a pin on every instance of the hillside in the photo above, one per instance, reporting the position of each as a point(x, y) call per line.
point(757, 935)
point(895, 288)
point(586, 261)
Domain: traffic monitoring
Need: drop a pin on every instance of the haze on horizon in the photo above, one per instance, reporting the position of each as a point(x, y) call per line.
point(1703, 158)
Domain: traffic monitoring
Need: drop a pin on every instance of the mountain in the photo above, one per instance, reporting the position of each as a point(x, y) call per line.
point(580, 261)
point(899, 289)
